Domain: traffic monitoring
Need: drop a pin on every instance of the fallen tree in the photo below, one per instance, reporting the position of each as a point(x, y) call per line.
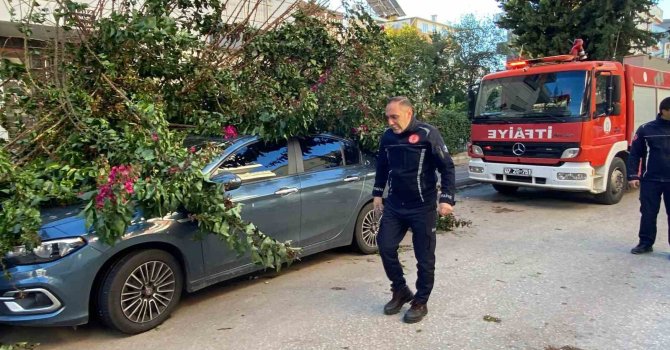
point(95, 124)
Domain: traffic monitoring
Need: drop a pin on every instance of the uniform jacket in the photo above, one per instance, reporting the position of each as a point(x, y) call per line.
point(407, 162)
point(651, 150)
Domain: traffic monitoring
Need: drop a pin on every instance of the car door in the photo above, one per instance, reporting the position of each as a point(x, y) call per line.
point(269, 194)
point(331, 181)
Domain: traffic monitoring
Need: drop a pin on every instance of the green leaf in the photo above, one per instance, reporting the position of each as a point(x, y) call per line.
point(147, 155)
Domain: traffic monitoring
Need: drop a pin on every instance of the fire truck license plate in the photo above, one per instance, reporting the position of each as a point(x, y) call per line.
point(518, 171)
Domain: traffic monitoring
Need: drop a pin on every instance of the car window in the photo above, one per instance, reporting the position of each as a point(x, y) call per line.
point(260, 160)
point(351, 153)
point(320, 153)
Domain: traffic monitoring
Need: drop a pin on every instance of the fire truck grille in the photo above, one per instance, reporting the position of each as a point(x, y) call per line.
point(550, 150)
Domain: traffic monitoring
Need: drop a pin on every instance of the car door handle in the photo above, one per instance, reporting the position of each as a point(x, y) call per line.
point(285, 191)
point(351, 178)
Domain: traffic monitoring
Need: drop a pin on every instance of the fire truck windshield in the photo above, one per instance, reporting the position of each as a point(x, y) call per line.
point(553, 97)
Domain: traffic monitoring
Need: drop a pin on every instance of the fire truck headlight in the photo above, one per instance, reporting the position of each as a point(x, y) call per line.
point(476, 169)
point(571, 176)
point(476, 150)
point(570, 153)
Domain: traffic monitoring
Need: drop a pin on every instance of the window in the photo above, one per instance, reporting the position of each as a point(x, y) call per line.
point(608, 93)
point(260, 160)
point(351, 153)
point(425, 28)
point(320, 153)
point(531, 96)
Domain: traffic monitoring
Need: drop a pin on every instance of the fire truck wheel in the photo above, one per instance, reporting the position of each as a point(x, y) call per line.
point(616, 183)
point(505, 189)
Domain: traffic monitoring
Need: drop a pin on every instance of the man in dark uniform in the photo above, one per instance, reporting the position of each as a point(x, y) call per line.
point(651, 144)
point(409, 153)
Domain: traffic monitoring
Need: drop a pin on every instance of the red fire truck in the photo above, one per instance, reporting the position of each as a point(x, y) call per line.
point(560, 123)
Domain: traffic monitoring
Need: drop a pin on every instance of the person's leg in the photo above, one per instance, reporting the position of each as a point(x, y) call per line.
point(650, 203)
point(666, 201)
point(423, 239)
point(391, 232)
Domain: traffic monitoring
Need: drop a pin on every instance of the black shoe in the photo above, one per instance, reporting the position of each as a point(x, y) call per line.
point(641, 249)
point(400, 297)
point(415, 313)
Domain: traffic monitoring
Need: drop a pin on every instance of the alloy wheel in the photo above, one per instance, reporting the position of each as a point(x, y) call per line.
point(370, 227)
point(147, 292)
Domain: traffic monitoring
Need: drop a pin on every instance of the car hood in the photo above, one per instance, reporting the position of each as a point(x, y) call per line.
point(62, 222)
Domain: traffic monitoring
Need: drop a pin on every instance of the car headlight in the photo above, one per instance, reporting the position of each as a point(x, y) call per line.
point(45, 252)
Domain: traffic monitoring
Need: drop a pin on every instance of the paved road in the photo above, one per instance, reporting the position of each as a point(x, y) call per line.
point(462, 176)
point(554, 268)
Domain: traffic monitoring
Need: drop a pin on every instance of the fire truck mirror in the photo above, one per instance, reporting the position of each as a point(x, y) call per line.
point(614, 95)
point(608, 94)
point(472, 100)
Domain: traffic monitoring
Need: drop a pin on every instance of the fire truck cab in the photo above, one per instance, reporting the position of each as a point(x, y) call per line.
point(560, 123)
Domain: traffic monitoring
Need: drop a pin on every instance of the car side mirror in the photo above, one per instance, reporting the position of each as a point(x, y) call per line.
point(229, 180)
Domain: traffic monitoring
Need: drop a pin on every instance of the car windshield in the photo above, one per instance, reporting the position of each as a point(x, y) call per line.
point(558, 95)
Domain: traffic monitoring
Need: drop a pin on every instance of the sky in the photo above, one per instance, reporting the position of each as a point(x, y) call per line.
point(452, 10)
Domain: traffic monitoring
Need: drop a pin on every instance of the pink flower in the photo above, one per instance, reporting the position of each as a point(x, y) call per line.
point(230, 132)
point(192, 149)
point(128, 187)
point(154, 136)
point(314, 88)
point(104, 192)
point(112, 175)
point(124, 170)
point(118, 175)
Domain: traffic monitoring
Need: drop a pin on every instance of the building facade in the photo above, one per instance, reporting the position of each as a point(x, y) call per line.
point(425, 26)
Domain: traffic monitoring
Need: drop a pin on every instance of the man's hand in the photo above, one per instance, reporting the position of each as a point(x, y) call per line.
point(378, 205)
point(445, 209)
point(634, 183)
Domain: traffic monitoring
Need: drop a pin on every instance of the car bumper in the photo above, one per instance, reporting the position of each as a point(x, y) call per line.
point(50, 294)
point(542, 176)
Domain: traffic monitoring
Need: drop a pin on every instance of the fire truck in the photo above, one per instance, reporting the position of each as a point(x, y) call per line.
point(561, 123)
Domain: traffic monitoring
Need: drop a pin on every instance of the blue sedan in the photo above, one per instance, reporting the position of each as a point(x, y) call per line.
point(314, 191)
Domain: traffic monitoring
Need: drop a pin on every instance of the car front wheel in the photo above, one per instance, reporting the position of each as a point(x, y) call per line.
point(140, 291)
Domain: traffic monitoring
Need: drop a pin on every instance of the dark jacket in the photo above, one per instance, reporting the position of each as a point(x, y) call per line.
point(651, 146)
point(408, 161)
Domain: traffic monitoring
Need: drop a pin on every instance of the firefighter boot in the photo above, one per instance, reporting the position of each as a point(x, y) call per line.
point(400, 297)
point(641, 249)
point(415, 313)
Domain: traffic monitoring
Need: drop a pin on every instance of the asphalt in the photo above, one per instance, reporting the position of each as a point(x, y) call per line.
point(462, 179)
point(461, 161)
point(535, 271)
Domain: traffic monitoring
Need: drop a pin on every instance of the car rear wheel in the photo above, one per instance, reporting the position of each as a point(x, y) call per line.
point(140, 291)
point(367, 228)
